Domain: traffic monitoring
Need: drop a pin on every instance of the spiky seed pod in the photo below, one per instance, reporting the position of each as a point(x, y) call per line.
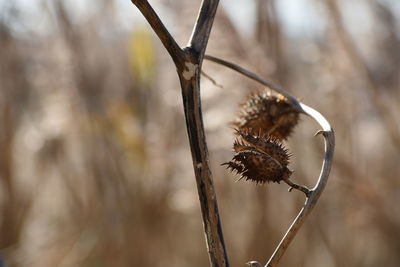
point(269, 145)
point(259, 159)
point(268, 114)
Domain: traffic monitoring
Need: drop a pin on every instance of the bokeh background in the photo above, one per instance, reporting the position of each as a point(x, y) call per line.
point(95, 168)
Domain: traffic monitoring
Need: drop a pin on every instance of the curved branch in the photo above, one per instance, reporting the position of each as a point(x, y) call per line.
point(329, 138)
point(316, 192)
point(256, 78)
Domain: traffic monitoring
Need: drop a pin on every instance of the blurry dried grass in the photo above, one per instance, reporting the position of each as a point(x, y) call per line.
point(94, 163)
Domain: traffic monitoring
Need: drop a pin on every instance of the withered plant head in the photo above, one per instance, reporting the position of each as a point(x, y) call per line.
point(268, 114)
point(259, 158)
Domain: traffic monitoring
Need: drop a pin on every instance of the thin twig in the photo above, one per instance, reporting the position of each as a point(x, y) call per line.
point(329, 138)
point(212, 80)
point(293, 185)
point(257, 78)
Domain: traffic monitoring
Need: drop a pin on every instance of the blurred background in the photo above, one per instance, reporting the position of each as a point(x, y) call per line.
point(95, 168)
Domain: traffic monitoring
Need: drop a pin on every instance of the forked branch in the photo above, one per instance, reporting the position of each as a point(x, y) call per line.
point(312, 194)
point(188, 62)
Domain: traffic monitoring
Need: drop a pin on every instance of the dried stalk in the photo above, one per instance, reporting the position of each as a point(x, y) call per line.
point(188, 62)
point(312, 195)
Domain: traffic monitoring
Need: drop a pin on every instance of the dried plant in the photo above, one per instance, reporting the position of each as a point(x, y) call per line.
point(312, 195)
point(265, 113)
point(95, 166)
point(258, 158)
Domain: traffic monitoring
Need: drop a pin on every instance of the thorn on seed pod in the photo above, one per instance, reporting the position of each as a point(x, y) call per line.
point(259, 158)
point(265, 113)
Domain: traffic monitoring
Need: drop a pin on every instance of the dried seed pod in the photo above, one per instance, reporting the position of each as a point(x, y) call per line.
point(268, 114)
point(268, 145)
point(259, 158)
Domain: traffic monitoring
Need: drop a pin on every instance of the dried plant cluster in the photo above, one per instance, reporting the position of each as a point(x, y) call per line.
point(95, 167)
point(265, 120)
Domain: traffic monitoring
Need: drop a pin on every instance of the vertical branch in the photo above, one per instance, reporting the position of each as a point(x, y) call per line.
point(201, 165)
point(188, 62)
point(190, 83)
point(202, 28)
